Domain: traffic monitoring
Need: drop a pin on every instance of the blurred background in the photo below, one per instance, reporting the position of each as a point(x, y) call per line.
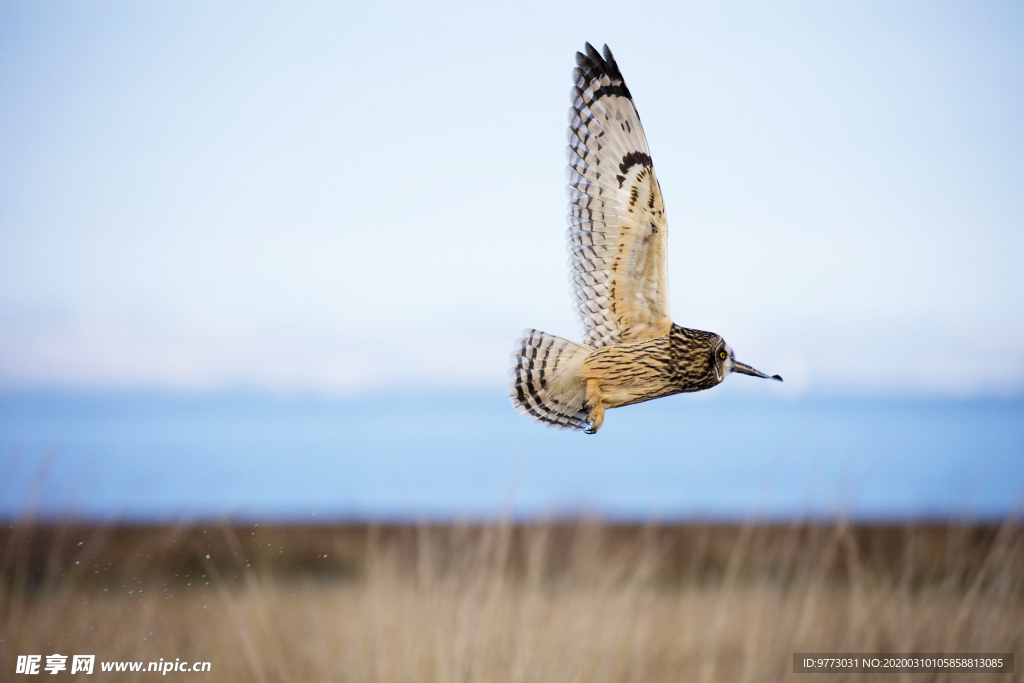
point(261, 271)
point(268, 262)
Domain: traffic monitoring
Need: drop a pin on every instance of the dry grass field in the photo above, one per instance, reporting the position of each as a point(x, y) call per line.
point(565, 601)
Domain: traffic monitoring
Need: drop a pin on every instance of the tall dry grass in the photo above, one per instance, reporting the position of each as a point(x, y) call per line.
point(569, 601)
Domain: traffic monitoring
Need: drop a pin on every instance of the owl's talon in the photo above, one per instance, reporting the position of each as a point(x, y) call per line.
point(595, 418)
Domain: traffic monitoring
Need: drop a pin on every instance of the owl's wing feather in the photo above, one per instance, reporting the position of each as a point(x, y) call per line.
point(617, 231)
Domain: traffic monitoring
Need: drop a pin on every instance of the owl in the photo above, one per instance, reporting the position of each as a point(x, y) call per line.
point(617, 243)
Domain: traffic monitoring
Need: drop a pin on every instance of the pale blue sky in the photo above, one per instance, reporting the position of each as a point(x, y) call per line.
point(341, 199)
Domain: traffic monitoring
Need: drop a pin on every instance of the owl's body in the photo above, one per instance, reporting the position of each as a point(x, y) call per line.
point(553, 375)
point(618, 238)
point(683, 360)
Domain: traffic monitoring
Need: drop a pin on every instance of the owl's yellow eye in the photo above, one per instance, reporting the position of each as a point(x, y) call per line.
point(721, 354)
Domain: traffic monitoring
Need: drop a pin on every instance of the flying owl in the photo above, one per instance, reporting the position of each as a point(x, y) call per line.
point(617, 243)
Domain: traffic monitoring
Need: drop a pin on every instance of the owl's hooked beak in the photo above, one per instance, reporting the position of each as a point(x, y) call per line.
point(747, 370)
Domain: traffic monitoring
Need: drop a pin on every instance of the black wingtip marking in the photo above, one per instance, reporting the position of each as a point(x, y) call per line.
point(616, 89)
point(634, 159)
point(593, 65)
point(776, 377)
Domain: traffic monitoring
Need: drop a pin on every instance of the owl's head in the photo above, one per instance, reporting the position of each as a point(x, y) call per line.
point(724, 361)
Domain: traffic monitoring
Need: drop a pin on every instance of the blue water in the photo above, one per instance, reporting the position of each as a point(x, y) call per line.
point(153, 457)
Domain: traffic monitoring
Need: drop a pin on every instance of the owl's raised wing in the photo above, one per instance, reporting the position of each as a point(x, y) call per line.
point(617, 232)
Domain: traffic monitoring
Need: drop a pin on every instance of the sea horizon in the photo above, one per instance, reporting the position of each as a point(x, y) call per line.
point(134, 456)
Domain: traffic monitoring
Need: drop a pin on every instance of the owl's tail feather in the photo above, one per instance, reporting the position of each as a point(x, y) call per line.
point(546, 382)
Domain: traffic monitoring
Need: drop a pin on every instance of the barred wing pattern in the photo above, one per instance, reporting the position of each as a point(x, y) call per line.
point(617, 231)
